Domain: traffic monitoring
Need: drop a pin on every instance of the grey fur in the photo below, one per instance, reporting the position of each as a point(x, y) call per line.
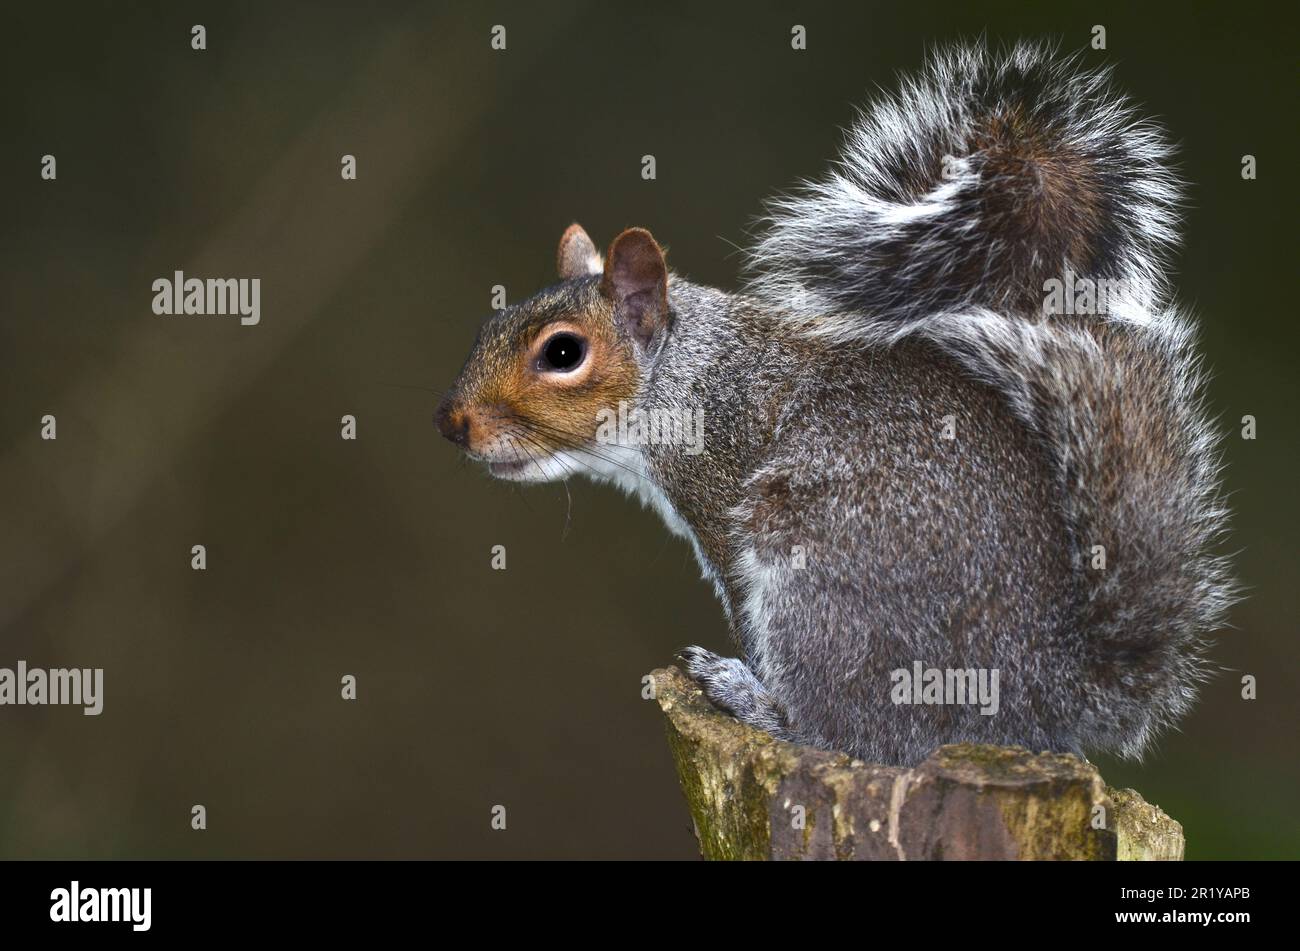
point(1120, 453)
point(966, 553)
point(826, 391)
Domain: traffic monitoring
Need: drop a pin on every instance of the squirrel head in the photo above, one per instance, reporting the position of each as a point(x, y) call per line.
point(531, 397)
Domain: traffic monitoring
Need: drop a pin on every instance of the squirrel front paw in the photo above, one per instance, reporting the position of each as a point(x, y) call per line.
point(733, 687)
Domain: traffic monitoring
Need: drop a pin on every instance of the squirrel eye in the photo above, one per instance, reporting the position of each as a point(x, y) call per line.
point(563, 352)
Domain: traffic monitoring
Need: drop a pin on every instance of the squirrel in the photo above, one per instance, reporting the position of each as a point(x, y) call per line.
point(909, 459)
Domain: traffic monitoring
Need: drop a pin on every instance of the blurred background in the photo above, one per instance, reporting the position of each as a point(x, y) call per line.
point(479, 687)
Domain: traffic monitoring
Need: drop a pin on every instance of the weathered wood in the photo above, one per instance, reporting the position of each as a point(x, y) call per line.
point(755, 797)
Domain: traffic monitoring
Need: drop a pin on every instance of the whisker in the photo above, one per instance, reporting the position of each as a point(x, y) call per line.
point(568, 472)
point(569, 441)
point(575, 442)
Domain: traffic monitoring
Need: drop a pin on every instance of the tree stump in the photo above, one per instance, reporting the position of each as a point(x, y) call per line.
point(755, 797)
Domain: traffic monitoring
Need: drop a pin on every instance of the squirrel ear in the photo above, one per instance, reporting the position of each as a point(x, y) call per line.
point(577, 256)
point(636, 281)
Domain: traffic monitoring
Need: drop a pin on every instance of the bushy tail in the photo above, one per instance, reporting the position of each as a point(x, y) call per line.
point(1118, 407)
point(956, 205)
point(984, 177)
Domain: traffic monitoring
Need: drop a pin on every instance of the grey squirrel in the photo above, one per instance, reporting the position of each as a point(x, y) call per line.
point(909, 461)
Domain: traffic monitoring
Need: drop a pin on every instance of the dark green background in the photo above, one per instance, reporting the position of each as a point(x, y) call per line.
point(326, 557)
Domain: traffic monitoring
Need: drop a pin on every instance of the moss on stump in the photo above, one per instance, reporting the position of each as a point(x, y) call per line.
point(755, 797)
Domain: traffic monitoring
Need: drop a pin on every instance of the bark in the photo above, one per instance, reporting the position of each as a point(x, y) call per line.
point(755, 797)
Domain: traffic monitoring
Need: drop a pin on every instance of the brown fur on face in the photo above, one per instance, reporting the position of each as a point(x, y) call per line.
point(528, 419)
point(510, 409)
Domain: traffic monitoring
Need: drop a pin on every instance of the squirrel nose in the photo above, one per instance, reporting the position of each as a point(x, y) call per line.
point(452, 423)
